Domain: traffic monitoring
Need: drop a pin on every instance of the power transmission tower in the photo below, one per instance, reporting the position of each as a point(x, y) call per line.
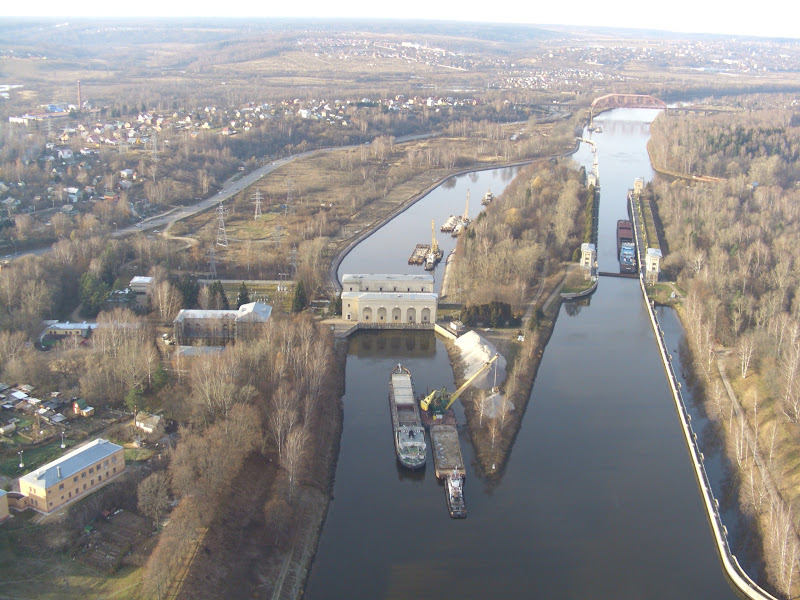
point(289, 194)
point(257, 198)
point(212, 263)
point(222, 237)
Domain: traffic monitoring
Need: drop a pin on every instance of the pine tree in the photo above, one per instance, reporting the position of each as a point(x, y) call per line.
point(299, 300)
point(243, 297)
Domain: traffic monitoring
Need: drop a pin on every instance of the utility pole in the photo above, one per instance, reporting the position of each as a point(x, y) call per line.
point(222, 237)
point(257, 198)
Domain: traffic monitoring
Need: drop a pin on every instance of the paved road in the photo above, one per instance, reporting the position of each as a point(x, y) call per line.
point(230, 188)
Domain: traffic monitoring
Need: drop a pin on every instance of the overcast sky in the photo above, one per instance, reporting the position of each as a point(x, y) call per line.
point(771, 18)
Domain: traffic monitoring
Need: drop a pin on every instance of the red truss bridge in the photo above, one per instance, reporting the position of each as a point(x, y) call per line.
point(626, 101)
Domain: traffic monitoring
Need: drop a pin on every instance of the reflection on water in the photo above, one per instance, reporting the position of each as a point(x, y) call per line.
point(572, 308)
point(397, 344)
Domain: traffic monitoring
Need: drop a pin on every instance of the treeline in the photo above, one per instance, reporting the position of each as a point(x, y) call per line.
point(762, 145)
point(535, 220)
point(731, 247)
point(493, 314)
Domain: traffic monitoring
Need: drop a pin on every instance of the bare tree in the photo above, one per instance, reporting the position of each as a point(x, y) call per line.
point(282, 416)
point(166, 300)
point(294, 455)
point(744, 350)
point(153, 495)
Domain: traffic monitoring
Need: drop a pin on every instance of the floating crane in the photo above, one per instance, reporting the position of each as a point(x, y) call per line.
point(435, 253)
point(439, 401)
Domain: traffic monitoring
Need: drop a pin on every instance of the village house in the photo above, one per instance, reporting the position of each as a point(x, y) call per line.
point(80, 407)
point(73, 476)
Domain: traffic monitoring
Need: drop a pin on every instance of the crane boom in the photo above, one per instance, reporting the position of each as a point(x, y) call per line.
point(440, 400)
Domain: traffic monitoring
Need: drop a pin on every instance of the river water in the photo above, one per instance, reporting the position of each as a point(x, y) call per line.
point(597, 500)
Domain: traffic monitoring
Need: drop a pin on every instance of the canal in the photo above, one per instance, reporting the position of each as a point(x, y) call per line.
point(598, 499)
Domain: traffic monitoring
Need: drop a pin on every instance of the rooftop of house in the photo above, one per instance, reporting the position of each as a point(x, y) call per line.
point(69, 464)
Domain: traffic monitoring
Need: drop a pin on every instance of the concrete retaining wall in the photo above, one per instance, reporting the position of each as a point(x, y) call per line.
point(732, 568)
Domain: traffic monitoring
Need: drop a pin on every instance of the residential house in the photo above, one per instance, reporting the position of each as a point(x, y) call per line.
point(73, 476)
point(80, 407)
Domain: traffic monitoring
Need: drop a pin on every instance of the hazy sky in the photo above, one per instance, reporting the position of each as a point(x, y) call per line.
point(765, 18)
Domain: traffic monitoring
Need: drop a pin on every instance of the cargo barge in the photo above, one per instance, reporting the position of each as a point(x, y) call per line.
point(626, 251)
point(446, 450)
point(419, 254)
point(409, 435)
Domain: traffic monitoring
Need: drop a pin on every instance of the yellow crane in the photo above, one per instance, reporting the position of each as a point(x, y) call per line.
point(438, 401)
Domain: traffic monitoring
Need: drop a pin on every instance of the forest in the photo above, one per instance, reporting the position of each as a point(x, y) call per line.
point(730, 246)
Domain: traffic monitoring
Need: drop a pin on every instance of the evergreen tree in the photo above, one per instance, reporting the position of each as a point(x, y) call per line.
point(93, 294)
point(189, 289)
point(218, 298)
point(243, 297)
point(299, 300)
point(336, 305)
point(223, 297)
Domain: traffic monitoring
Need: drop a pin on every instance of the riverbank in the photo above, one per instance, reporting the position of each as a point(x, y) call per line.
point(493, 437)
point(342, 252)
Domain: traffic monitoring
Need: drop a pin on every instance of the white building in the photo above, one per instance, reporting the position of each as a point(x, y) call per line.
point(388, 300)
point(140, 286)
point(218, 327)
point(653, 264)
point(588, 256)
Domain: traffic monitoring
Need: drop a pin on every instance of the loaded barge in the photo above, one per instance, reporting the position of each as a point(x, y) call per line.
point(409, 435)
point(626, 251)
point(441, 421)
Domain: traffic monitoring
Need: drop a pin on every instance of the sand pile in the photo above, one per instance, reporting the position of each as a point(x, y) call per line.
point(494, 404)
point(476, 352)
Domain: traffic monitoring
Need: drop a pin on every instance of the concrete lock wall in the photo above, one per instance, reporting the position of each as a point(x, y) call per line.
point(732, 567)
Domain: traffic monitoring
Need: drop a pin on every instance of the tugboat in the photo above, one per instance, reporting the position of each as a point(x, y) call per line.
point(487, 198)
point(454, 488)
point(409, 435)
